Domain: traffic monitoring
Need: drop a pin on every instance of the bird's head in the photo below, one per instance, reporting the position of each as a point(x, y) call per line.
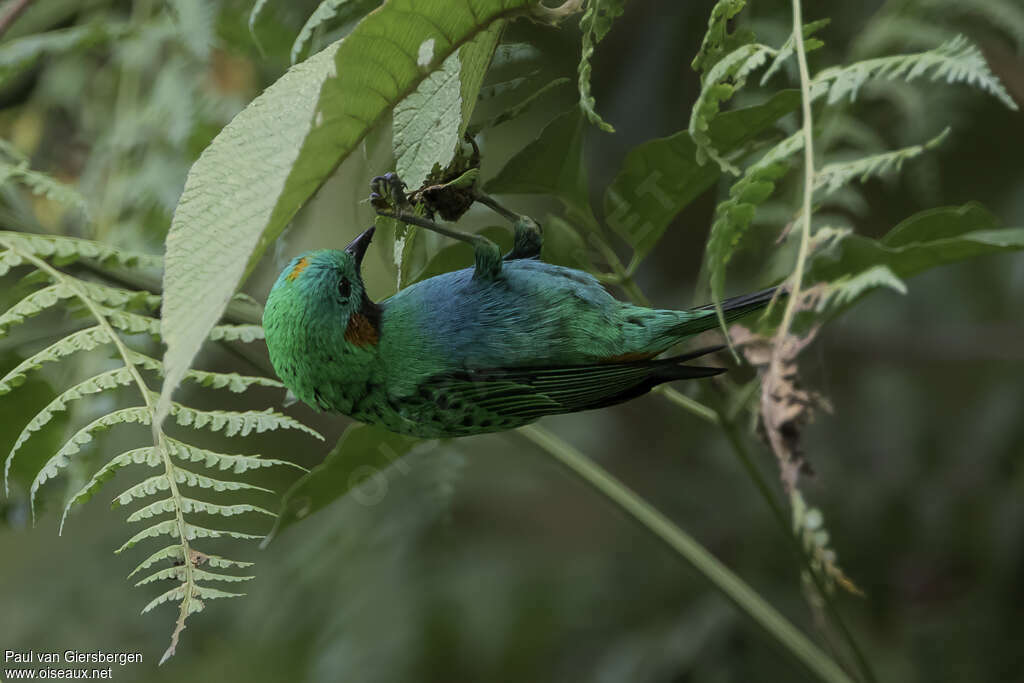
point(327, 285)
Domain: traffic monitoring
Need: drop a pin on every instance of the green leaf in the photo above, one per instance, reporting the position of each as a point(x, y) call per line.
point(594, 25)
point(553, 165)
point(362, 453)
point(524, 104)
point(429, 124)
point(564, 246)
point(661, 177)
point(925, 240)
point(476, 57)
point(338, 11)
point(283, 146)
point(426, 124)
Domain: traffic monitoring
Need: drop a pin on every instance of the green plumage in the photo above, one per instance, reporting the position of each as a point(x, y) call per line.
point(471, 351)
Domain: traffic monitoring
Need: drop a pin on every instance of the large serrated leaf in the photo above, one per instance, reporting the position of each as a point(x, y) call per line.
point(426, 124)
point(661, 177)
point(551, 165)
point(284, 145)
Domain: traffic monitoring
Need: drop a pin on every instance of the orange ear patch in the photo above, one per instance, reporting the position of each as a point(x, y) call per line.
point(360, 331)
point(299, 267)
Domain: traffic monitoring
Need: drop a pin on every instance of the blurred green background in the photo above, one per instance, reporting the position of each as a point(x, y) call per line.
point(481, 559)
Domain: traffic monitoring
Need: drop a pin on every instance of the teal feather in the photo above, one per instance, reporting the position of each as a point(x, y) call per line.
point(456, 354)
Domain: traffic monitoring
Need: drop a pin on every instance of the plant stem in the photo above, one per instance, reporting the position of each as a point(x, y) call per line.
point(805, 224)
point(688, 404)
point(743, 596)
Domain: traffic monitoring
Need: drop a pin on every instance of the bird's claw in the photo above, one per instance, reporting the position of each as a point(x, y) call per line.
point(388, 192)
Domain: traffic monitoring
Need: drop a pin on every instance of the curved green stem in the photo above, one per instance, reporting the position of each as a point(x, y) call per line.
point(733, 587)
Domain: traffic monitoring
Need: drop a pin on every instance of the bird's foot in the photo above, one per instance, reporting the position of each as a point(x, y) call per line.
point(527, 239)
point(387, 193)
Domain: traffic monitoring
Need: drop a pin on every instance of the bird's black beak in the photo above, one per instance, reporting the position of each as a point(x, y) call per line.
point(358, 246)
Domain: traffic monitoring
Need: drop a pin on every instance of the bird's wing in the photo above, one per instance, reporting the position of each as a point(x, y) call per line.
point(530, 392)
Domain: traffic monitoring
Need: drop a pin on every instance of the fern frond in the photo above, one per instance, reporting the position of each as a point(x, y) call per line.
point(102, 382)
point(235, 423)
point(222, 461)
point(177, 593)
point(955, 61)
point(594, 25)
point(117, 296)
point(734, 215)
point(43, 185)
point(178, 573)
point(835, 175)
point(133, 323)
point(159, 483)
point(786, 51)
point(242, 333)
point(718, 41)
point(720, 83)
point(68, 249)
point(171, 527)
point(34, 304)
point(111, 307)
point(216, 380)
point(8, 260)
point(171, 552)
point(82, 340)
point(208, 593)
point(147, 455)
point(809, 527)
point(190, 505)
point(202, 481)
point(844, 291)
point(53, 466)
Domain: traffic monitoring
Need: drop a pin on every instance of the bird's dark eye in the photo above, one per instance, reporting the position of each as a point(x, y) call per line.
point(344, 288)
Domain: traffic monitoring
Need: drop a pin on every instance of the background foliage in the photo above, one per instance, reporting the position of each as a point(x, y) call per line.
point(477, 556)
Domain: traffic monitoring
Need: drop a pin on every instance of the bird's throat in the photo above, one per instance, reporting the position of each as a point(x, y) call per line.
point(361, 331)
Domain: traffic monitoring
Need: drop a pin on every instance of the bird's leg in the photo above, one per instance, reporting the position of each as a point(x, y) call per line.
point(528, 236)
point(387, 195)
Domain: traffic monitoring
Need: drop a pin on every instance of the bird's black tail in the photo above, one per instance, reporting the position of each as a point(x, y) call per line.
point(705, 318)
